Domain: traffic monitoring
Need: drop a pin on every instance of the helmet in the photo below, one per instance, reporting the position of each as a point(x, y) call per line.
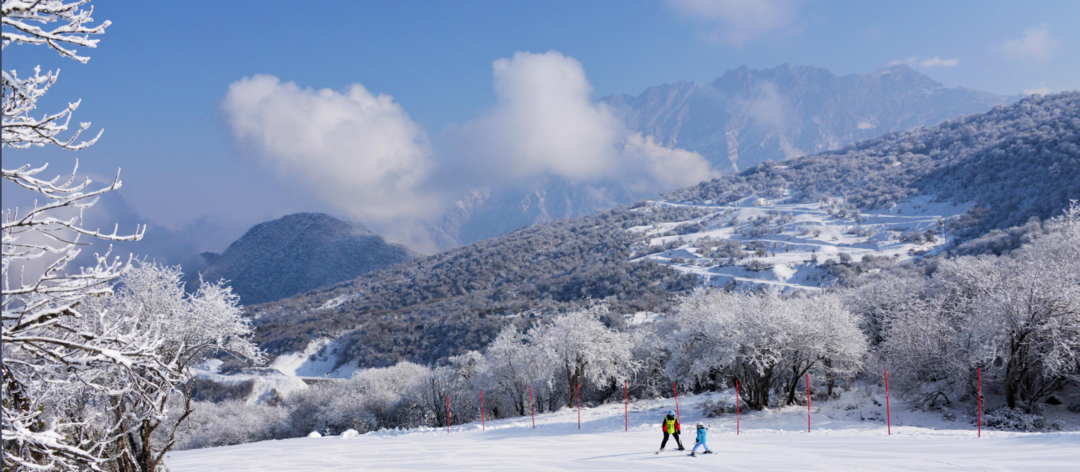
point(671, 412)
point(700, 426)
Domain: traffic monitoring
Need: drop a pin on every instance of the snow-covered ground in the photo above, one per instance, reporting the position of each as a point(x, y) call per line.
point(844, 437)
point(786, 241)
point(287, 374)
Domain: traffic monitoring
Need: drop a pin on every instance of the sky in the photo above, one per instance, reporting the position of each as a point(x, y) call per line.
point(225, 114)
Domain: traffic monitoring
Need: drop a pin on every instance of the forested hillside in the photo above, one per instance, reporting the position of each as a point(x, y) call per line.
point(1015, 162)
point(1004, 160)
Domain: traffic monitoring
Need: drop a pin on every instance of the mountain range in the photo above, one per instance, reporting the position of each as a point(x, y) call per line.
point(742, 118)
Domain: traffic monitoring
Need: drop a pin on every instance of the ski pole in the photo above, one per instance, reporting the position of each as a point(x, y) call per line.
point(888, 413)
point(677, 415)
point(978, 370)
point(807, 402)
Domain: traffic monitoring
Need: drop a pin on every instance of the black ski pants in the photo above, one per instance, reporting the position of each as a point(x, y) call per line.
point(677, 440)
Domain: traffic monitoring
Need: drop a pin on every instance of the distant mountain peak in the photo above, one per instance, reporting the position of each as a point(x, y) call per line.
point(747, 116)
point(298, 253)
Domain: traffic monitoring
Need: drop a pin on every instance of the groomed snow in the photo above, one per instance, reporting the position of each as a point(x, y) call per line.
point(769, 440)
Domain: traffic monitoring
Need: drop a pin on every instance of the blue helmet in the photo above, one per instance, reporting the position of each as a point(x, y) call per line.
point(671, 412)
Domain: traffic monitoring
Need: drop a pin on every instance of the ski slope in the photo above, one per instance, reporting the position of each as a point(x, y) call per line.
point(844, 437)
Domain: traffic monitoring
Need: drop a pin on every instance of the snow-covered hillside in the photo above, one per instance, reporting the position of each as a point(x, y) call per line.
point(779, 244)
point(848, 434)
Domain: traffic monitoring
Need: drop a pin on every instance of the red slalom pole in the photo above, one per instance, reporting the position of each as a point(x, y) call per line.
point(579, 405)
point(531, 410)
point(447, 413)
point(736, 407)
point(888, 413)
point(807, 402)
point(483, 427)
point(979, 371)
point(626, 388)
point(678, 417)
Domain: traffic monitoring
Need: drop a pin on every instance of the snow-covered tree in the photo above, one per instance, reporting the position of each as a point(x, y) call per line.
point(1016, 317)
point(48, 362)
point(763, 341)
point(825, 339)
point(87, 374)
point(512, 365)
point(151, 302)
point(1029, 306)
point(584, 350)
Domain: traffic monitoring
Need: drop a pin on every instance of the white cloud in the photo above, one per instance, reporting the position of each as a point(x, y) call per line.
point(931, 62)
point(939, 62)
point(357, 151)
point(911, 61)
point(545, 123)
point(739, 21)
point(1036, 45)
point(1044, 90)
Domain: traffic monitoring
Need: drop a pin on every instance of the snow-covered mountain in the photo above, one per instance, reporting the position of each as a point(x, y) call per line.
point(739, 120)
point(970, 185)
point(299, 253)
point(748, 116)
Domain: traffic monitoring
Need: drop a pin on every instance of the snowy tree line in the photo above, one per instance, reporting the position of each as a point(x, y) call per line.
point(1016, 317)
point(94, 358)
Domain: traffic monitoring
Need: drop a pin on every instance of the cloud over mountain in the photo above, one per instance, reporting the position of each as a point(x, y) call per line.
point(546, 123)
point(358, 151)
point(1035, 46)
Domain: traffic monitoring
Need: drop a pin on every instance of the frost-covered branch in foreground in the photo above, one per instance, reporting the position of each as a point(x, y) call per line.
point(52, 365)
point(23, 24)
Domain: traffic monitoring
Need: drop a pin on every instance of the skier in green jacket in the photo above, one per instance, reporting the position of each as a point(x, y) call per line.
point(671, 427)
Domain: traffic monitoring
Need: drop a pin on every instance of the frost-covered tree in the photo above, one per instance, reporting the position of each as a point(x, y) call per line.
point(584, 350)
point(1016, 317)
point(763, 341)
point(1029, 336)
point(48, 362)
point(87, 374)
point(185, 328)
point(512, 365)
point(825, 339)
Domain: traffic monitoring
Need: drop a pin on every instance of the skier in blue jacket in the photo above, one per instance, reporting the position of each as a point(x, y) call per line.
point(700, 440)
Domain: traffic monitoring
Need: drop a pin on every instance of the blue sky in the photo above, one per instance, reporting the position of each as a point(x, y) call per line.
point(158, 79)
